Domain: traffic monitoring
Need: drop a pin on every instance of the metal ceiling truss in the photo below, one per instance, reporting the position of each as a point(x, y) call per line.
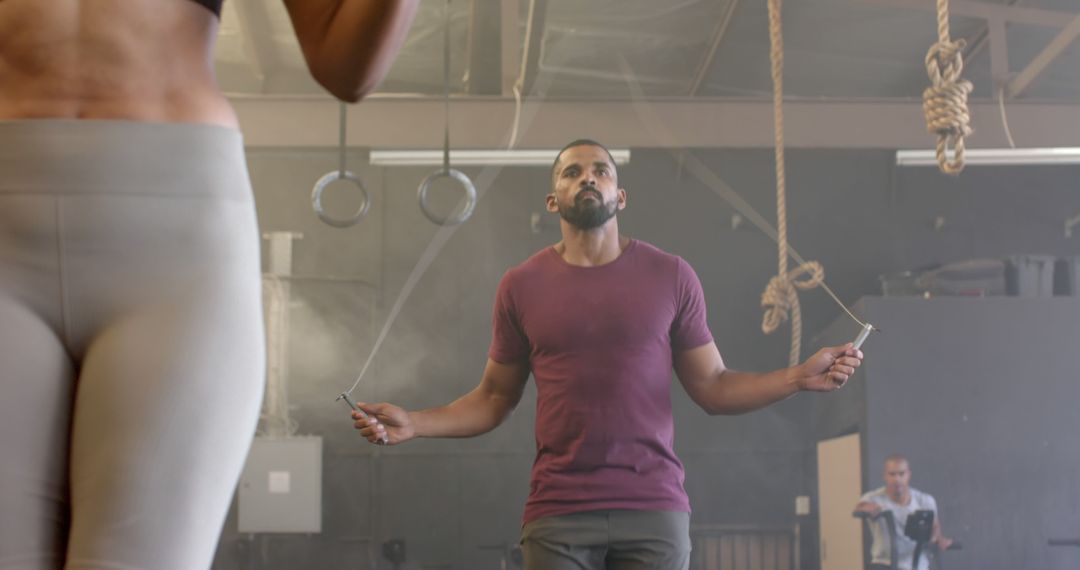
point(997, 17)
point(717, 39)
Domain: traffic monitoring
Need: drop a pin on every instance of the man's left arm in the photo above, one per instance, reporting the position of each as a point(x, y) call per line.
point(719, 390)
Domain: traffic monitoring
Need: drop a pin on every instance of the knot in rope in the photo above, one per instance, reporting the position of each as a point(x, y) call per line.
point(780, 297)
point(945, 101)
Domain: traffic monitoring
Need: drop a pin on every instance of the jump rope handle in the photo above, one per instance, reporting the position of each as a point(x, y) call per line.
point(363, 414)
point(865, 332)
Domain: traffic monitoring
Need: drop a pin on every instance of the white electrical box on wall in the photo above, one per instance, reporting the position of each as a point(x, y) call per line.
point(281, 486)
point(802, 505)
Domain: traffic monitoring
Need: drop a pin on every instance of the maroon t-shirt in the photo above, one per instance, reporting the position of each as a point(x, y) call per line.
point(599, 341)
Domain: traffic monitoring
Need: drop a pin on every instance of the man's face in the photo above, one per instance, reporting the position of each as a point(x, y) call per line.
point(897, 477)
point(586, 188)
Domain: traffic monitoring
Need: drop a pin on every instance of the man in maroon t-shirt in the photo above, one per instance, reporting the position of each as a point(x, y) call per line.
point(600, 320)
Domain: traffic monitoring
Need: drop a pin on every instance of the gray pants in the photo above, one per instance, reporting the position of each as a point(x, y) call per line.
point(608, 539)
point(131, 343)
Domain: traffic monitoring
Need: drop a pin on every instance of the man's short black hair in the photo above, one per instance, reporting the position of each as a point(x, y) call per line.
point(580, 142)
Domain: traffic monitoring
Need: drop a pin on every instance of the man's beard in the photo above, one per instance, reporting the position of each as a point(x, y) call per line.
point(587, 215)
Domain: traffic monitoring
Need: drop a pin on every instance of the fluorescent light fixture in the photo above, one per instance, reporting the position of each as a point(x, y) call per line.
point(476, 157)
point(996, 156)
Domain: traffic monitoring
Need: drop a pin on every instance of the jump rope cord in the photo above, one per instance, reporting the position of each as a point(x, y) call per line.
point(442, 236)
point(717, 186)
point(429, 252)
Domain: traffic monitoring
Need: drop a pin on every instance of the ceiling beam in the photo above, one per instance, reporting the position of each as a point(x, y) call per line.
point(994, 32)
point(717, 39)
point(1059, 44)
point(477, 122)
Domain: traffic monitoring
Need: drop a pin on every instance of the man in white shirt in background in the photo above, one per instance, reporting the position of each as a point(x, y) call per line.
point(898, 496)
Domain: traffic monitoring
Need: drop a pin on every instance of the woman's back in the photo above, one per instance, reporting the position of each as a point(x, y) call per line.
point(147, 60)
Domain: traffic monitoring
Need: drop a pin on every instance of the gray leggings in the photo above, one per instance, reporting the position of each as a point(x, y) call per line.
point(608, 540)
point(131, 343)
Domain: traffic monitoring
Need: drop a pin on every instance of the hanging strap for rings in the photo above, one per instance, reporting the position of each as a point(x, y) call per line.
point(340, 174)
point(446, 172)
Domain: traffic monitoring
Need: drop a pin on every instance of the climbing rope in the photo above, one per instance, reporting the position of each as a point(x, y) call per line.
point(945, 101)
point(780, 297)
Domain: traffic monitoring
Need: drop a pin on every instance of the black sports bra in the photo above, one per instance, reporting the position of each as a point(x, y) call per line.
point(212, 5)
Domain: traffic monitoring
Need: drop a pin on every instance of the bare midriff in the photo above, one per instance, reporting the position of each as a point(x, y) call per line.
point(139, 60)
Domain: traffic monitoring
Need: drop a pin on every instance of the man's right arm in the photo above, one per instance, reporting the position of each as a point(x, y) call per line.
point(479, 411)
point(870, 508)
point(868, 505)
point(475, 413)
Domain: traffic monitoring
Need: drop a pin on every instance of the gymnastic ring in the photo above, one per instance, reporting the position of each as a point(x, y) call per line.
point(470, 192)
point(322, 183)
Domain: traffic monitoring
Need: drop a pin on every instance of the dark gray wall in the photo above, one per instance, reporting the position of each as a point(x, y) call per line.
point(849, 210)
point(981, 395)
